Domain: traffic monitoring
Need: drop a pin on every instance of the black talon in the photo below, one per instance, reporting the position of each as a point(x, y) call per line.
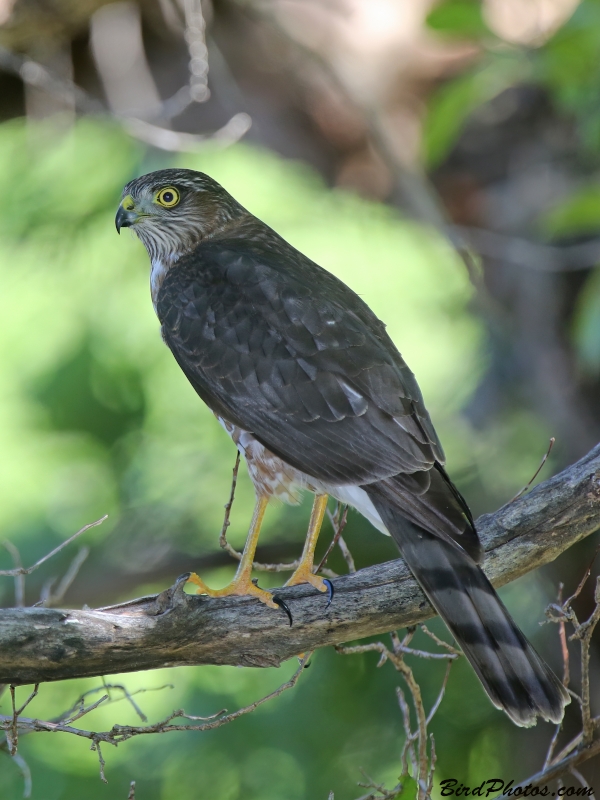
point(282, 604)
point(330, 591)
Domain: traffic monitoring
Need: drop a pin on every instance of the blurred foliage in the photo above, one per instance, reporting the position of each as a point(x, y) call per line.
point(567, 69)
point(567, 66)
point(96, 417)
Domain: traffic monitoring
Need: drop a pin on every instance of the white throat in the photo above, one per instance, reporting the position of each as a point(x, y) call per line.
point(158, 271)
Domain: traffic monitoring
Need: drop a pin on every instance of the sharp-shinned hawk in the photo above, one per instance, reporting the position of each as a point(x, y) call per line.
point(315, 395)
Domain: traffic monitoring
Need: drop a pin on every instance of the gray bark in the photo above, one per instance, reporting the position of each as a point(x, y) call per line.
point(175, 629)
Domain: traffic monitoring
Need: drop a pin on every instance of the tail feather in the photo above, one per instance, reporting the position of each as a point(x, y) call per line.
point(512, 673)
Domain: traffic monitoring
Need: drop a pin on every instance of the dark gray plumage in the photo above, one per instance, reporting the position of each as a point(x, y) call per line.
point(288, 354)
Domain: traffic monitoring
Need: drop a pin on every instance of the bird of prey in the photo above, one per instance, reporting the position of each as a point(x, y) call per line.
point(312, 390)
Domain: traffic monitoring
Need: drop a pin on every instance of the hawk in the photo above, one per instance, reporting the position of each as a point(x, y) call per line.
point(312, 390)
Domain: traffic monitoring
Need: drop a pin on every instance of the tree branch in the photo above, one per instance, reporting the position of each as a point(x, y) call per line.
point(175, 629)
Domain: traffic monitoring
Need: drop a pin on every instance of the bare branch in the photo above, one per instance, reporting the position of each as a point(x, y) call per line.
point(121, 733)
point(534, 255)
point(422, 765)
point(584, 745)
point(175, 628)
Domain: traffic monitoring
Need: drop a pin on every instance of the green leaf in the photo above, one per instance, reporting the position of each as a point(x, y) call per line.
point(451, 106)
point(409, 789)
point(579, 214)
point(458, 18)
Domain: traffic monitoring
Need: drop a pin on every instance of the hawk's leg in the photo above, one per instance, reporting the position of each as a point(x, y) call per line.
point(242, 582)
point(304, 572)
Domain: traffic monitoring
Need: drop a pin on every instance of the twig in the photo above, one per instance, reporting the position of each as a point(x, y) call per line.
point(121, 733)
point(18, 574)
point(583, 746)
point(440, 696)
point(433, 761)
point(579, 777)
point(584, 635)
point(12, 738)
point(408, 750)
point(440, 642)
point(534, 255)
point(289, 566)
point(25, 772)
point(126, 696)
point(582, 582)
point(537, 472)
point(176, 142)
point(228, 506)
point(338, 521)
point(10, 573)
point(66, 716)
point(85, 710)
point(566, 674)
point(422, 765)
point(68, 578)
point(562, 767)
point(96, 746)
point(347, 555)
point(35, 74)
point(131, 795)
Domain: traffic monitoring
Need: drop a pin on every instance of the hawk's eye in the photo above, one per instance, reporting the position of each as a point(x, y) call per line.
point(168, 197)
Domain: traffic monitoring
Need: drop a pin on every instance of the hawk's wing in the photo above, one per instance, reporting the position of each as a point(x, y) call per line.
point(286, 351)
point(307, 368)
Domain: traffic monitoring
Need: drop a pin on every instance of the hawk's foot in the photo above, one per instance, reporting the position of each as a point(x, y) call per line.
point(304, 571)
point(241, 585)
point(304, 574)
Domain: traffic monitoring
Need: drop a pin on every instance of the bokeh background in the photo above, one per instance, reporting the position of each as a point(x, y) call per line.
point(443, 160)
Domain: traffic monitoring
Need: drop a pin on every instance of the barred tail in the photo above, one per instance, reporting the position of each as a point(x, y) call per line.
point(514, 676)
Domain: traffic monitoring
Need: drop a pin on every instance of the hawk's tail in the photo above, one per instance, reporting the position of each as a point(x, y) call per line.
point(514, 676)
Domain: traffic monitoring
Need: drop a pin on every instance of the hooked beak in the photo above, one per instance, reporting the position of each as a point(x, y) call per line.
point(126, 214)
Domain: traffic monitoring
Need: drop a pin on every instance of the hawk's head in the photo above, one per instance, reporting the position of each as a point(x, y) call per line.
point(172, 210)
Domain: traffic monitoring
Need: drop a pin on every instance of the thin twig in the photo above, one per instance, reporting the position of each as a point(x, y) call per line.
point(408, 750)
point(68, 578)
point(11, 573)
point(567, 604)
point(338, 521)
point(121, 733)
point(131, 795)
point(584, 635)
point(440, 642)
point(228, 506)
point(96, 746)
point(422, 765)
point(347, 555)
point(85, 710)
point(225, 544)
point(579, 777)
point(536, 473)
point(25, 772)
point(441, 693)
point(35, 74)
point(18, 575)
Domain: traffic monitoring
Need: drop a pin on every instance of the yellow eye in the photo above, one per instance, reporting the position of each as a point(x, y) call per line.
point(168, 197)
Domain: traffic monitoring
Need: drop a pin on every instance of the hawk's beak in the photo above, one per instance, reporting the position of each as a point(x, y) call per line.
point(126, 215)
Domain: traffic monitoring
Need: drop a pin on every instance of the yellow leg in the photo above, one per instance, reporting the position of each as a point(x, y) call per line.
point(304, 571)
point(242, 582)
